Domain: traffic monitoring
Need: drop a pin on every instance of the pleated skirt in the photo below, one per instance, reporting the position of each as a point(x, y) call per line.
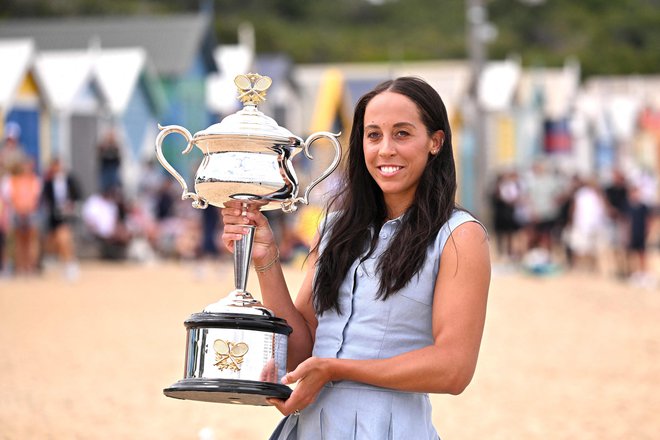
point(354, 411)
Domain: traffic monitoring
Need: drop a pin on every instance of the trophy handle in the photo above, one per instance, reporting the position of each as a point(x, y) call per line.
point(290, 205)
point(198, 202)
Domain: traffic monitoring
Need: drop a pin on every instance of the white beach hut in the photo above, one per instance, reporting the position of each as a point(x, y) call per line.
point(75, 110)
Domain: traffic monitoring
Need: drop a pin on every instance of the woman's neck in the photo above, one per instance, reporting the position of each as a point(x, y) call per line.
point(395, 209)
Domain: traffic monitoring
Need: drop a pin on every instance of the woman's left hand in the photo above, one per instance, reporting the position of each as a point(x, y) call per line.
point(311, 375)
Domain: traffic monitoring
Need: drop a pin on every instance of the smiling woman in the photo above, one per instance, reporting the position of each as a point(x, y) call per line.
point(394, 300)
point(397, 146)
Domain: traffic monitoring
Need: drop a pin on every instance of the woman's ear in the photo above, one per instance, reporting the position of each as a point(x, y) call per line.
point(437, 141)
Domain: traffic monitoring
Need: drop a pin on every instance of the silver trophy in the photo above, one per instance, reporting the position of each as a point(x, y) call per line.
point(236, 349)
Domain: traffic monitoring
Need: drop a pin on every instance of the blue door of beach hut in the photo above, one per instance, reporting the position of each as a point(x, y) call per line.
point(28, 120)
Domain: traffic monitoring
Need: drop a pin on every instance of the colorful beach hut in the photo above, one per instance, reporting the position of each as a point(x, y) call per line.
point(21, 102)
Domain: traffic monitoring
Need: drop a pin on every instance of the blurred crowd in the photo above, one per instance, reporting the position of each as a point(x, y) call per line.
point(48, 222)
point(545, 221)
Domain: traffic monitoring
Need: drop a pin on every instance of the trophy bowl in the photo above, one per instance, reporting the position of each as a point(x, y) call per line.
point(247, 156)
point(236, 349)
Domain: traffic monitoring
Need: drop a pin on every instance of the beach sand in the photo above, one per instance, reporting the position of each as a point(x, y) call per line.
point(570, 356)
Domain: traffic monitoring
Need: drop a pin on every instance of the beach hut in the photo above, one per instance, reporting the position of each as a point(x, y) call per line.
point(20, 97)
point(134, 100)
point(545, 101)
point(180, 47)
point(76, 109)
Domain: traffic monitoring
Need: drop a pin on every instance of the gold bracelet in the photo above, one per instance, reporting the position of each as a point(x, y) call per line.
point(265, 267)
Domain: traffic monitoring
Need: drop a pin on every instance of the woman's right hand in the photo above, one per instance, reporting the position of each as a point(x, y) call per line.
point(235, 217)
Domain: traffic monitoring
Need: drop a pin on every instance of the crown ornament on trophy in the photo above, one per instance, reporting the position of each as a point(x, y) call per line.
point(236, 348)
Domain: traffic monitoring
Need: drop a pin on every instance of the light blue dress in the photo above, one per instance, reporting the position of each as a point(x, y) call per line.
point(370, 328)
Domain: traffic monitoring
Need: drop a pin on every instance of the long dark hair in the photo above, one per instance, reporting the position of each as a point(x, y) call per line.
point(361, 207)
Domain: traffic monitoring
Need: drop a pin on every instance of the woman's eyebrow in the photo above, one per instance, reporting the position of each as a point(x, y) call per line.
point(396, 125)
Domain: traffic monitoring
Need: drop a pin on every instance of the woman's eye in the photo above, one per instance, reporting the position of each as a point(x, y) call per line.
point(373, 135)
point(401, 133)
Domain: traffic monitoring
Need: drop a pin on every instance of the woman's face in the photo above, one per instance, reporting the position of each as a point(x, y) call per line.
point(396, 147)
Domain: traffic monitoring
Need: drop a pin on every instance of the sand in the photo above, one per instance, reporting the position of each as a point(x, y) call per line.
point(571, 356)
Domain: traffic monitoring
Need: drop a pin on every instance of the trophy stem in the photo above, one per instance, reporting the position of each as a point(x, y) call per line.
point(242, 256)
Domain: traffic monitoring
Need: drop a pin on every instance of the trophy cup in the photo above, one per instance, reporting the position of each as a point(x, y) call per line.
point(236, 349)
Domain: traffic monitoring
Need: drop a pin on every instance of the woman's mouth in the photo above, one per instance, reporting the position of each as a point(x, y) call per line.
point(389, 169)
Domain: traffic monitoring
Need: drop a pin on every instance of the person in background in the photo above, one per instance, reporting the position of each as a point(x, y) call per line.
point(109, 160)
point(12, 152)
point(543, 194)
point(12, 155)
point(393, 304)
point(168, 223)
point(564, 220)
point(639, 218)
point(23, 192)
point(104, 215)
point(209, 251)
point(506, 195)
point(4, 230)
point(60, 195)
point(616, 194)
point(587, 225)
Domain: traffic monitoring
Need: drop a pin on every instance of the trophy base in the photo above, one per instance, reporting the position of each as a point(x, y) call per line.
point(242, 392)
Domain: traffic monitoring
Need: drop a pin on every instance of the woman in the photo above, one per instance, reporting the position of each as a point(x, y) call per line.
point(387, 312)
point(23, 189)
point(60, 195)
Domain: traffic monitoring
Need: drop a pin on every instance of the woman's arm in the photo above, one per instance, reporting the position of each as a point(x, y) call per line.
point(299, 314)
point(447, 366)
point(274, 290)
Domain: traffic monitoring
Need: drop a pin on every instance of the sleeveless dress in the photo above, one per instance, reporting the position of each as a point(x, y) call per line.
point(370, 328)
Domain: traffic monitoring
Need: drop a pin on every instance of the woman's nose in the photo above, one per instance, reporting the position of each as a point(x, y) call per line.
point(386, 148)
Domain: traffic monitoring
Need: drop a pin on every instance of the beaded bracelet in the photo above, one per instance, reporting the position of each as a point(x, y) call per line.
point(265, 267)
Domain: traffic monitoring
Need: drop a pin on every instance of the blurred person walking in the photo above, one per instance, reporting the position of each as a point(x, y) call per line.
point(504, 198)
point(210, 249)
point(564, 219)
point(167, 223)
point(4, 230)
point(587, 225)
point(12, 153)
point(109, 160)
point(61, 193)
point(543, 195)
point(639, 218)
point(149, 185)
point(23, 192)
point(616, 194)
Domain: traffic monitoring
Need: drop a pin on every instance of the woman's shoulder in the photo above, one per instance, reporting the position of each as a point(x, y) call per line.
point(458, 218)
point(325, 224)
point(327, 221)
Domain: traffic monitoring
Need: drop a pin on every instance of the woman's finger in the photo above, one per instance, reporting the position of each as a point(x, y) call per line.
point(231, 215)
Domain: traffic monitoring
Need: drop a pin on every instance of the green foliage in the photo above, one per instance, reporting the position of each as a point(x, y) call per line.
point(607, 36)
